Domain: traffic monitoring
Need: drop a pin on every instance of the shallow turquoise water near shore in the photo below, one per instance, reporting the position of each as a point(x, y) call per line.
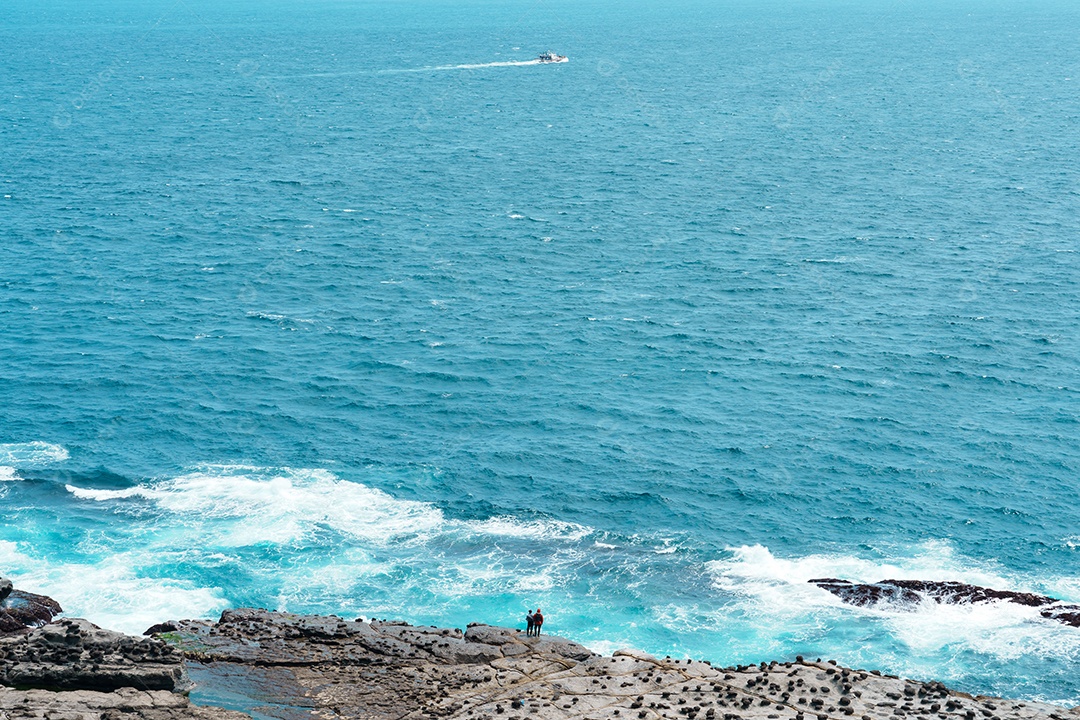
point(298, 314)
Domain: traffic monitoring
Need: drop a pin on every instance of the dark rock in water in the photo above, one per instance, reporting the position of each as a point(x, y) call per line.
point(866, 595)
point(20, 611)
point(1068, 614)
point(160, 628)
point(78, 655)
point(5, 588)
point(959, 593)
point(912, 592)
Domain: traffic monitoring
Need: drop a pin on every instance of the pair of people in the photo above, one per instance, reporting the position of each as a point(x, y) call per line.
point(534, 621)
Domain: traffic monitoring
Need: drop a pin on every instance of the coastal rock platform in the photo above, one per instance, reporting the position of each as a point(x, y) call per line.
point(268, 665)
point(292, 666)
point(75, 654)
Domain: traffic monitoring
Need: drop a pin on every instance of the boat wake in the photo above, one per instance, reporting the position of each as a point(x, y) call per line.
point(475, 66)
point(548, 60)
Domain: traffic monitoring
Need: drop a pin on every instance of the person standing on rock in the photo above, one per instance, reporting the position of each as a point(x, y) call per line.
point(529, 622)
point(538, 621)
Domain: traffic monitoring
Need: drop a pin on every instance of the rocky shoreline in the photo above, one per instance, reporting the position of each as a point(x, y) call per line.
point(280, 665)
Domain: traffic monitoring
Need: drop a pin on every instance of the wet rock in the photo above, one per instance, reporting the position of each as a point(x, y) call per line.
point(20, 611)
point(963, 593)
point(1067, 614)
point(866, 595)
point(160, 628)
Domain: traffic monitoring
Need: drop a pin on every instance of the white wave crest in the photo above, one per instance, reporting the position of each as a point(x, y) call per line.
point(7, 474)
point(258, 505)
point(31, 454)
point(534, 583)
point(284, 505)
point(756, 567)
point(91, 494)
point(782, 584)
point(536, 529)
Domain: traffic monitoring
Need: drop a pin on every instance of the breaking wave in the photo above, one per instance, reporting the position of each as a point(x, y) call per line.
point(255, 505)
point(112, 591)
point(285, 505)
point(922, 640)
point(308, 540)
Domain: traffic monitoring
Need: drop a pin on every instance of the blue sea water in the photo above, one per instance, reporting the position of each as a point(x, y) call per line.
point(337, 306)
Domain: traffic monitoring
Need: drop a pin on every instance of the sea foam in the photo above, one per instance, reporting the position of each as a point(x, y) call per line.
point(311, 540)
point(111, 592)
point(31, 454)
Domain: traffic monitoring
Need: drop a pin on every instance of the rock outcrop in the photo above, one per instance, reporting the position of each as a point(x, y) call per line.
point(75, 654)
point(901, 593)
point(74, 670)
point(21, 611)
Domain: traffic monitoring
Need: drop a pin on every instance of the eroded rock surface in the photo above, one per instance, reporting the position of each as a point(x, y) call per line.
point(901, 593)
point(75, 654)
point(327, 667)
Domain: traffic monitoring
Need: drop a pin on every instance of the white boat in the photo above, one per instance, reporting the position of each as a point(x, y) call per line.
point(550, 57)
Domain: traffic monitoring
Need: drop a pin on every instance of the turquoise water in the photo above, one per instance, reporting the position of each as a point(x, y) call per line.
point(332, 307)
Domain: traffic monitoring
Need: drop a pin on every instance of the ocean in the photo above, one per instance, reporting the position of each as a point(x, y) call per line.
point(347, 307)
